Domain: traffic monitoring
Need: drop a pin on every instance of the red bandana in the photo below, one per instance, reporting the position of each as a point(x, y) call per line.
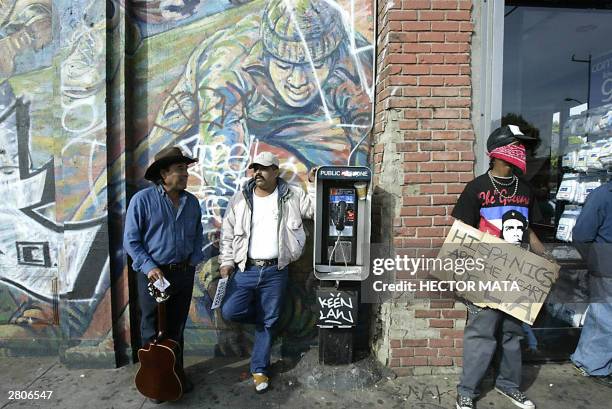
point(513, 154)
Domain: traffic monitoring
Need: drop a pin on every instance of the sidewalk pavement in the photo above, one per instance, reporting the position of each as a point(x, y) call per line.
point(222, 383)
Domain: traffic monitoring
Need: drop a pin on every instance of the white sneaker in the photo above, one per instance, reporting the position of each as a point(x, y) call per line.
point(261, 382)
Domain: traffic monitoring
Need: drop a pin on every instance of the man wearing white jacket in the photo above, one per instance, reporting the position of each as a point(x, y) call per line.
point(262, 233)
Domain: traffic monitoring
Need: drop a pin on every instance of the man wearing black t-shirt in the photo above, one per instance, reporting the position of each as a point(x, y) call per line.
point(502, 204)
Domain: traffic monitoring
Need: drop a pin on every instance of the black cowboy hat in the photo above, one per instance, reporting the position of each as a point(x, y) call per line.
point(165, 158)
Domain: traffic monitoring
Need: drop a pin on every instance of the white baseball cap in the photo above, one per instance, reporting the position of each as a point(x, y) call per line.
point(265, 159)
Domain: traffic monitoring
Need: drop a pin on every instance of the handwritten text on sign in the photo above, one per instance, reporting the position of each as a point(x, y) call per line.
point(337, 308)
point(504, 262)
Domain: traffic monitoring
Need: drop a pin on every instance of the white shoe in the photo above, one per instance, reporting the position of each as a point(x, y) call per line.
point(261, 382)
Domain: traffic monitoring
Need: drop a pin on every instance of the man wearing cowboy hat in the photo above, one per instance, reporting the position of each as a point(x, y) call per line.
point(163, 235)
point(262, 233)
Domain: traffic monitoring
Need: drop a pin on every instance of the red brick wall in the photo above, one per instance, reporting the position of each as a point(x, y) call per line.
point(444, 349)
point(423, 65)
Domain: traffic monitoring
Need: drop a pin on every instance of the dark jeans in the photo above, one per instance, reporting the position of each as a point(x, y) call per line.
point(490, 334)
point(177, 306)
point(254, 296)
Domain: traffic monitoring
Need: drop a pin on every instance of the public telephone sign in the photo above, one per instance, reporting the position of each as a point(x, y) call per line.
point(344, 173)
point(337, 309)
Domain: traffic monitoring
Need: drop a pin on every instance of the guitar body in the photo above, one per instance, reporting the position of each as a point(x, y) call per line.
point(160, 375)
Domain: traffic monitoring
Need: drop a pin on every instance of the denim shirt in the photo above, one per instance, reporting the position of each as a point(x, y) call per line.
point(592, 234)
point(156, 233)
point(594, 225)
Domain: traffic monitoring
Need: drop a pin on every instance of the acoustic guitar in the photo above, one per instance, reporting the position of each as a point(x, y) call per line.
point(160, 375)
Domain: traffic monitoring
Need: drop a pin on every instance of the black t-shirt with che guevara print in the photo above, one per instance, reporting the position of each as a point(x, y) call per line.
point(505, 217)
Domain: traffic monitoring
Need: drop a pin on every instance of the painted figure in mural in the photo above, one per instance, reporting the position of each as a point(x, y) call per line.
point(592, 236)
point(25, 28)
point(71, 217)
point(262, 233)
point(291, 80)
point(502, 204)
point(24, 25)
point(159, 11)
point(163, 235)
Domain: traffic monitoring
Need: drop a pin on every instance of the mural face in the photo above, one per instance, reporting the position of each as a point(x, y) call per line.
point(160, 11)
point(297, 84)
point(222, 79)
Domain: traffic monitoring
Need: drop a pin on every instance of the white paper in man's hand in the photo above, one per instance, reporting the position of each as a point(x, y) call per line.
point(162, 284)
point(220, 293)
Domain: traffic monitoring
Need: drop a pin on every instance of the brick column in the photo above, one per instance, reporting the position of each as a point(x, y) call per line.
point(423, 127)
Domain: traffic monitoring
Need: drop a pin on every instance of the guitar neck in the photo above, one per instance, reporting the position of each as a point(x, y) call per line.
point(161, 320)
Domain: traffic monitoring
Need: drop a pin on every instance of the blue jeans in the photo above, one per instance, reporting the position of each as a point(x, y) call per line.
point(594, 351)
point(254, 296)
point(532, 341)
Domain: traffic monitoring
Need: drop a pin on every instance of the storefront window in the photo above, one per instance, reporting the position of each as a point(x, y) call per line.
point(557, 85)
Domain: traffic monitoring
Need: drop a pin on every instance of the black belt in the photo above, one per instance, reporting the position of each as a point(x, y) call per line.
point(178, 267)
point(261, 263)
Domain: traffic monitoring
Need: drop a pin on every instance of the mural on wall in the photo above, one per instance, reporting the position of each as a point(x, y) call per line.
point(224, 79)
point(53, 235)
point(291, 76)
point(28, 249)
point(160, 11)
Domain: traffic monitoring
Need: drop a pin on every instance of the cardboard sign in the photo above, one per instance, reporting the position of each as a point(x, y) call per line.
point(337, 309)
point(505, 276)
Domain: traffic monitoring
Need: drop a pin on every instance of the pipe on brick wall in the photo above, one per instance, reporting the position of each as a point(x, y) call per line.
point(371, 126)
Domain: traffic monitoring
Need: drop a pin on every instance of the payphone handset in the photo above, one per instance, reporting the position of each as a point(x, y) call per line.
point(342, 220)
point(341, 214)
point(341, 211)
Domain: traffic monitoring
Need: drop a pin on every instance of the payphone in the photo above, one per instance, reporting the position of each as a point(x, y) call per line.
point(341, 255)
point(342, 223)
